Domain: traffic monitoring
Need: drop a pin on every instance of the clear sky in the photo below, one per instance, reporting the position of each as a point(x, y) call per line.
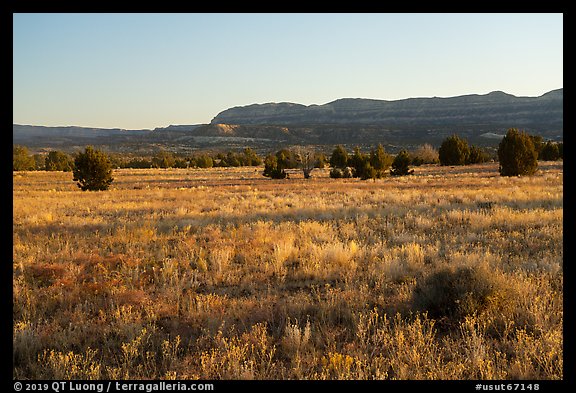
point(151, 70)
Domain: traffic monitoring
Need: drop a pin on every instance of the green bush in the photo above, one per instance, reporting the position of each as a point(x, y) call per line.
point(58, 161)
point(202, 161)
point(365, 170)
point(138, 162)
point(339, 162)
point(360, 164)
point(163, 159)
point(380, 161)
point(339, 157)
point(516, 154)
point(550, 152)
point(454, 151)
point(21, 159)
point(286, 159)
point(370, 166)
point(181, 162)
point(92, 170)
point(538, 143)
point(250, 158)
point(477, 155)
point(273, 168)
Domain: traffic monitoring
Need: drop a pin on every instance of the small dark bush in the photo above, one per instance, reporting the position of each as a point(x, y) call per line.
point(451, 294)
point(21, 159)
point(380, 161)
point(339, 157)
point(340, 173)
point(550, 152)
point(454, 151)
point(401, 164)
point(517, 155)
point(538, 143)
point(203, 161)
point(92, 170)
point(58, 161)
point(369, 166)
point(163, 159)
point(274, 168)
point(336, 173)
point(477, 155)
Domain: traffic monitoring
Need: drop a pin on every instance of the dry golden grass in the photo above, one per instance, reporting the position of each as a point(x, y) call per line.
point(223, 273)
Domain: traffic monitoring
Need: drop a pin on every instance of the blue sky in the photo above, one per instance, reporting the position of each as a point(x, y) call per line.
point(151, 70)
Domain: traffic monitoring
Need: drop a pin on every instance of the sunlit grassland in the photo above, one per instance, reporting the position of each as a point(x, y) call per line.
point(223, 273)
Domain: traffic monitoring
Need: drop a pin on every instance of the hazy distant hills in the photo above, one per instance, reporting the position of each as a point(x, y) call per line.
point(482, 119)
point(496, 108)
point(73, 137)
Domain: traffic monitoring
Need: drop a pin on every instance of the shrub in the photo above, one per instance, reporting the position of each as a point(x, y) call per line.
point(320, 161)
point(137, 162)
point(92, 170)
point(21, 160)
point(454, 151)
point(538, 143)
point(477, 155)
point(40, 161)
point(360, 164)
point(450, 294)
point(247, 157)
point(231, 159)
point(380, 161)
point(163, 159)
point(338, 173)
point(275, 164)
point(203, 161)
point(516, 154)
point(272, 168)
point(339, 157)
point(286, 159)
point(365, 171)
point(425, 154)
point(369, 166)
point(550, 152)
point(339, 162)
point(401, 163)
point(181, 163)
point(58, 161)
point(250, 158)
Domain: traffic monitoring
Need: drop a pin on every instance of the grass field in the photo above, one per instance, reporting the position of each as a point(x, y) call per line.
point(451, 273)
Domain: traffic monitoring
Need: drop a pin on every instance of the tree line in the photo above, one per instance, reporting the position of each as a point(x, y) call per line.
point(61, 161)
point(518, 154)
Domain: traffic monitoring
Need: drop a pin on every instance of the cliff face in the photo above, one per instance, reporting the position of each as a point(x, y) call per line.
point(496, 108)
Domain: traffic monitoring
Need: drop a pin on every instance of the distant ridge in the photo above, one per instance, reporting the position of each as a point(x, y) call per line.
point(495, 108)
point(482, 119)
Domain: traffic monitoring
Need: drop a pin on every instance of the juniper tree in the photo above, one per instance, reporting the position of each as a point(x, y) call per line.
point(516, 154)
point(92, 170)
point(454, 151)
